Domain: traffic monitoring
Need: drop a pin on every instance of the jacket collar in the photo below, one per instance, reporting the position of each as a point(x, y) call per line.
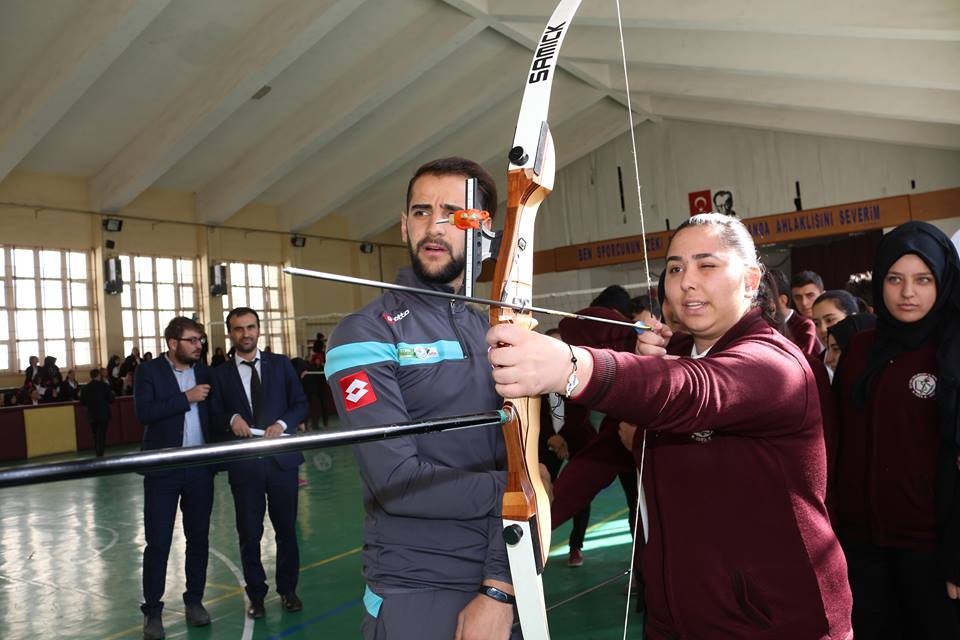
point(408, 278)
point(681, 344)
point(750, 323)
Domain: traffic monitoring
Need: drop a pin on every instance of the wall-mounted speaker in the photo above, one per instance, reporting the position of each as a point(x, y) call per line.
point(112, 276)
point(218, 279)
point(113, 225)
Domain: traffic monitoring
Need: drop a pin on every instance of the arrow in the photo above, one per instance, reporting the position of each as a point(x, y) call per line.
point(336, 277)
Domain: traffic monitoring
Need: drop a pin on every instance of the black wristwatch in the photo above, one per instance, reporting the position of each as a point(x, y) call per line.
point(497, 594)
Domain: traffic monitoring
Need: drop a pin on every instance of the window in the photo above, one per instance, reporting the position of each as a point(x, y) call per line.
point(46, 307)
point(156, 291)
point(258, 286)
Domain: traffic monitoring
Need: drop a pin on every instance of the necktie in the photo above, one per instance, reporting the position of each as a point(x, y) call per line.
point(256, 393)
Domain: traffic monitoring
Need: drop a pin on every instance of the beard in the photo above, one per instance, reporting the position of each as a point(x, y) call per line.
point(447, 273)
point(185, 356)
point(239, 346)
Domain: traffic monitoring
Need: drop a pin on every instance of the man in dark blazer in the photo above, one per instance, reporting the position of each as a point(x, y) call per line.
point(259, 390)
point(96, 396)
point(170, 396)
point(32, 370)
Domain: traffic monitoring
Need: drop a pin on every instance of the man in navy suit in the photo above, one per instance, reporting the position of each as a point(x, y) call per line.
point(97, 397)
point(260, 390)
point(170, 397)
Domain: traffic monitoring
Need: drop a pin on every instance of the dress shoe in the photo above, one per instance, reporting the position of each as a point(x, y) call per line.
point(153, 628)
point(197, 616)
point(291, 602)
point(256, 610)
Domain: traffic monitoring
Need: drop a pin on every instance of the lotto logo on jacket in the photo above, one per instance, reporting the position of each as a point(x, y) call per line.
point(357, 391)
point(397, 318)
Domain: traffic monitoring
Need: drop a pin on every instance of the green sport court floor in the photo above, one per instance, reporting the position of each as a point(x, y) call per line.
point(70, 555)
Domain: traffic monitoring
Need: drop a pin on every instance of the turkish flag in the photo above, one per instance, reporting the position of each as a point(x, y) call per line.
point(699, 202)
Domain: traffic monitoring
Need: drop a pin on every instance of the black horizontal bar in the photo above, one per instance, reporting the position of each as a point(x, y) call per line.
point(158, 459)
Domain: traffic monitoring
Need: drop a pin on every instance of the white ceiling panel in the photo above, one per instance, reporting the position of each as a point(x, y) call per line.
point(132, 94)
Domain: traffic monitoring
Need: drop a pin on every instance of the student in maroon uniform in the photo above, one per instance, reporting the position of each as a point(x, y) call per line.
point(840, 334)
point(740, 545)
point(799, 328)
point(830, 308)
point(612, 303)
point(805, 287)
point(898, 503)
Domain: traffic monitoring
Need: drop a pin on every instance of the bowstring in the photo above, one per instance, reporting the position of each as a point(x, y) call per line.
point(646, 266)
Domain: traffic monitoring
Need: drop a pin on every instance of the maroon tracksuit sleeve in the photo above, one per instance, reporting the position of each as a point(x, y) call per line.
point(803, 333)
point(686, 395)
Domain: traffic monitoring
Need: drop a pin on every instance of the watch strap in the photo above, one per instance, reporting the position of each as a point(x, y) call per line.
point(497, 594)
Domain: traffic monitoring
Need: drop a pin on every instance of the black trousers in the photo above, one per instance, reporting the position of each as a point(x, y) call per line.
point(899, 594)
point(267, 488)
point(192, 488)
point(99, 429)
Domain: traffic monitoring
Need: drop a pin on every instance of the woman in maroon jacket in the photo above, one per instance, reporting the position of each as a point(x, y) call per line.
point(740, 545)
point(898, 498)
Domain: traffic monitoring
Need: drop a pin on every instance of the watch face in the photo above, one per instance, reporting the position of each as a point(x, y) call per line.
point(572, 383)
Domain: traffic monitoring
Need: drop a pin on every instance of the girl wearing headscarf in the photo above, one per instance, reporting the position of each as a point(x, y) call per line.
point(898, 505)
point(840, 334)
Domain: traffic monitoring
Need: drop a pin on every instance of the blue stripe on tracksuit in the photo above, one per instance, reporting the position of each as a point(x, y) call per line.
point(361, 354)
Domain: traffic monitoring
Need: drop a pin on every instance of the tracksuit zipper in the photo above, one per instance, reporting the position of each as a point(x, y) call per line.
point(456, 330)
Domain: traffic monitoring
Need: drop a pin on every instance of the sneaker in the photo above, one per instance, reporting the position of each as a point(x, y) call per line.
point(575, 559)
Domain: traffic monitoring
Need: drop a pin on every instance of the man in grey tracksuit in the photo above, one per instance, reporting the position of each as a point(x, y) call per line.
point(434, 556)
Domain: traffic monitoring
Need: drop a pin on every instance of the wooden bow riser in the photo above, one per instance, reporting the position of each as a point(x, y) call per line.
point(525, 499)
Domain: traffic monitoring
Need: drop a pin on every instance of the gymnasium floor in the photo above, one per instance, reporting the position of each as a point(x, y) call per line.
point(70, 556)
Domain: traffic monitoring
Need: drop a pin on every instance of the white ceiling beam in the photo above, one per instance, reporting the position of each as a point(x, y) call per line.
point(922, 19)
point(360, 90)
point(590, 129)
point(942, 136)
point(924, 105)
point(596, 75)
point(905, 63)
point(425, 122)
point(92, 38)
point(574, 139)
point(280, 35)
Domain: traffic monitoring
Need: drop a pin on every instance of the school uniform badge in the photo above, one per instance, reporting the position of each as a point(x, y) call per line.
point(923, 385)
point(357, 391)
point(702, 437)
